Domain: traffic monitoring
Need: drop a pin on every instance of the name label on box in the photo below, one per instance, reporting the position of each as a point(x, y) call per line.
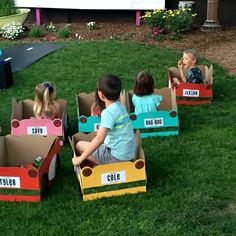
point(40, 130)
point(153, 122)
point(9, 182)
point(96, 126)
point(190, 93)
point(113, 177)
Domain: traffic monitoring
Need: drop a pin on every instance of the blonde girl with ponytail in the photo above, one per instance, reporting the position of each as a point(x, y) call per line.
point(45, 106)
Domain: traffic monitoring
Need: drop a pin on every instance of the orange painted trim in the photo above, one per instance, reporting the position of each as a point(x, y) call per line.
point(13, 198)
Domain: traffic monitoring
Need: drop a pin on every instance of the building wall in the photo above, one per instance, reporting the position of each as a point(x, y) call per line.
point(227, 9)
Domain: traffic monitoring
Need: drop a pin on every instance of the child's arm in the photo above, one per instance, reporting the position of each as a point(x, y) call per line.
point(94, 144)
point(181, 70)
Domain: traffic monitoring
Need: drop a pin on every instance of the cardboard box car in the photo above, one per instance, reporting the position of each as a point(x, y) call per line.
point(193, 94)
point(20, 180)
point(111, 179)
point(86, 122)
point(24, 123)
point(163, 122)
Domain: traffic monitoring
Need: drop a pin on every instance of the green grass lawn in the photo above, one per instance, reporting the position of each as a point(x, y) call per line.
point(191, 177)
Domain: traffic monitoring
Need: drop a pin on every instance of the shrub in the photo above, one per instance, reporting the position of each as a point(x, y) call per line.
point(36, 32)
point(180, 21)
point(11, 30)
point(163, 23)
point(64, 32)
point(7, 7)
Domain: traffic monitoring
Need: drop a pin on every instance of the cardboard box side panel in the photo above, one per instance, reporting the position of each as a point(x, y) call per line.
point(85, 102)
point(3, 154)
point(173, 99)
point(83, 137)
point(139, 145)
point(24, 149)
point(77, 105)
point(131, 173)
point(131, 105)
point(28, 109)
point(17, 110)
point(166, 103)
point(62, 107)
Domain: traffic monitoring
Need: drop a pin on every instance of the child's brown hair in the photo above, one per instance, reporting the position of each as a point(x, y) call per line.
point(144, 84)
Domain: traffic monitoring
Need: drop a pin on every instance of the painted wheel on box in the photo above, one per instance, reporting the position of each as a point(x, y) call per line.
point(44, 186)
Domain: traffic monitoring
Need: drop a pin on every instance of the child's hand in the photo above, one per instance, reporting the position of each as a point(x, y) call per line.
point(180, 63)
point(76, 161)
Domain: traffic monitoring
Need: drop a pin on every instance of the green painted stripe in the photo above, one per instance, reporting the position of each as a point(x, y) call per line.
point(122, 117)
point(113, 187)
point(193, 98)
point(120, 126)
point(19, 192)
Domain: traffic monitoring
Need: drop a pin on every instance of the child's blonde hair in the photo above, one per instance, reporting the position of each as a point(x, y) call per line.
point(45, 94)
point(194, 54)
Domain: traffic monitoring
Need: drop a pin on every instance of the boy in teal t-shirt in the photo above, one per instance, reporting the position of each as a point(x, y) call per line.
point(115, 139)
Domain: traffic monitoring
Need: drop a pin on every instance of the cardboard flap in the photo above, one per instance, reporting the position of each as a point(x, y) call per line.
point(123, 99)
point(209, 74)
point(129, 98)
point(81, 137)
point(24, 149)
point(173, 99)
point(174, 72)
point(17, 110)
point(138, 143)
point(166, 103)
point(84, 103)
point(72, 145)
point(3, 154)
point(28, 111)
point(139, 150)
point(62, 107)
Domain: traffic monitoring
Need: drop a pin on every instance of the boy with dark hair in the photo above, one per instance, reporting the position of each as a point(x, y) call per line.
point(115, 139)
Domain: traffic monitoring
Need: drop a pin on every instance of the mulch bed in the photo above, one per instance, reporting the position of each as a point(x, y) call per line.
point(219, 46)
